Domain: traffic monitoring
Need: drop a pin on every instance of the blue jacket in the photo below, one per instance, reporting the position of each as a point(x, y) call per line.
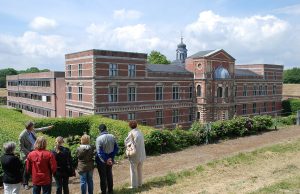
point(106, 146)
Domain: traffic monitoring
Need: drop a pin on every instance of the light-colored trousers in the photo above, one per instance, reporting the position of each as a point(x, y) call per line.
point(136, 173)
point(12, 188)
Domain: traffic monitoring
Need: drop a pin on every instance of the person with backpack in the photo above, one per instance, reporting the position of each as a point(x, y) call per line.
point(107, 148)
point(64, 166)
point(85, 154)
point(135, 151)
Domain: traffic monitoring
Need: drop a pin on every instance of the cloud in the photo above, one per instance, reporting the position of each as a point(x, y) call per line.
point(31, 49)
point(249, 39)
point(42, 23)
point(123, 14)
point(289, 10)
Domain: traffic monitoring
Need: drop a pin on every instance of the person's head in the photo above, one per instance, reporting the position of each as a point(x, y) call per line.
point(40, 143)
point(59, 141)
point(102, 128)
point(133, 124)
point(9, 147)
point(29, 125)
point(85, 139)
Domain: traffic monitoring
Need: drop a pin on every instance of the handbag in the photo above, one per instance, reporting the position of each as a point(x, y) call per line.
point(130, 147)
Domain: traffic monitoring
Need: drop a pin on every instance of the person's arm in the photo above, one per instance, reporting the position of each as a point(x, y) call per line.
point(42, 129)
point(28, 165)
point(53, 164)
point(102, 155)
point(115, 151)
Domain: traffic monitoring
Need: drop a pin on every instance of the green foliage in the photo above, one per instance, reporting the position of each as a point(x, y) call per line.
point(289, 120)
point(290, 106)
point(156, 57)
point(262, 123)
point(291, 76)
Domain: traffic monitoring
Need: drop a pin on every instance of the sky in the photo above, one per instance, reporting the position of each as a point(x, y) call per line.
point(39, 33)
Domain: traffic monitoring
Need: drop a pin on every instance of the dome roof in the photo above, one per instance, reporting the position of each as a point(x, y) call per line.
point(221, 73)
point(181, 45)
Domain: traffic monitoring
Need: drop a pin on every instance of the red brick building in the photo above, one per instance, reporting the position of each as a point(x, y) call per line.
point(37, 94)
point(206, 86)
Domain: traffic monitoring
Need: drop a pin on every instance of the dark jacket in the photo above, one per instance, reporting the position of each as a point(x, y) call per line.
point(63, 161)
point(85, 155)
point(12, 168)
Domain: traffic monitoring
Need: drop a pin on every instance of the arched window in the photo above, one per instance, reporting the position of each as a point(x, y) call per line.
point(199, 90)
point(220, 92)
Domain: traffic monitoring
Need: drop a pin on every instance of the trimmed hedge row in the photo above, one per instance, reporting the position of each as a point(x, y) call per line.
point(290, 106)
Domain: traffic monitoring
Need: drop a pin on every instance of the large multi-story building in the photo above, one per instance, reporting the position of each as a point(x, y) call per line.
point(206, 86)
point(38, 94)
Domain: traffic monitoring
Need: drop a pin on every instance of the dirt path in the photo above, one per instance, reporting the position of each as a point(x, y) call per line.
point(192, 157)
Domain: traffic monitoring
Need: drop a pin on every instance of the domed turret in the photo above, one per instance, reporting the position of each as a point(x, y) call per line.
point(181, 52)
point(221, 73)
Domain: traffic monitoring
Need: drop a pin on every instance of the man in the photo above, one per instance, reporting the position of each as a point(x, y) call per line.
point(27, 139)
point(107, 148)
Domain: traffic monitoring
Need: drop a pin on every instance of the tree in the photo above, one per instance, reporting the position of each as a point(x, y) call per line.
point(291, 76)
point(156, 57)
point(4, 73)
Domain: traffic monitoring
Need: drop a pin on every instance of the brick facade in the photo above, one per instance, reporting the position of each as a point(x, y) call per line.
point(208, 86)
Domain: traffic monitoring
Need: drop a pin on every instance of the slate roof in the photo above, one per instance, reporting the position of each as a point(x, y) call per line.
point(201, 54)
point(169, 68)
point(245, 72)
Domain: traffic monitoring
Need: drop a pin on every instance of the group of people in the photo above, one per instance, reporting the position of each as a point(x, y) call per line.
point(41, 165)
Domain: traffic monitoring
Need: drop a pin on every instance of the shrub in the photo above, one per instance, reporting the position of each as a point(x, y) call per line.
point(290, 106)
point(289, 120)
point(262, 122)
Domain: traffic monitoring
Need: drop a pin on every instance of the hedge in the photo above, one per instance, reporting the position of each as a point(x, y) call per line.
point(290, 106)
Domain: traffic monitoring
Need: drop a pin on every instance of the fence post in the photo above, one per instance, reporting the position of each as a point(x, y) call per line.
point(298, 117)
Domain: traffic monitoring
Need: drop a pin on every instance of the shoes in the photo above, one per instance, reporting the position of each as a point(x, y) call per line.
point(26, 187)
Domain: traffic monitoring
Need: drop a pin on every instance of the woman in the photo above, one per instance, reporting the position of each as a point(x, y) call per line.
point(12, 173)
point(64, 166)
point(136, 137)
point(85, 155)
point(41, 164)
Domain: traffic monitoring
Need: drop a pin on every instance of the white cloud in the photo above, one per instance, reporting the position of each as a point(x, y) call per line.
point(290, 10)
point(31, 49)
point(254, 38)
point(123, 14)
point(42, 23)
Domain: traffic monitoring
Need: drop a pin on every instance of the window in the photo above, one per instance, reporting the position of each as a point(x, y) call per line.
point(48, 98)
point(131, 93)
point(79, 70)
point(226, 92)
point(144, 122)
point(70, 113)
point(131, 116)
point(158, 92)
point(113, 94)
point(69, 93)
point(80, 93)
point(219, 92)
point(274, 90)
point(80, 114)
point(235, 90)
point(198, 91)
point(266, 90)
point(245, 90)
point(159, 117)
point(244, 110)
point(273, 106)
point(254, 108)
point(131, 70)
point(260, 90)
point(265, 107)
point(254, 90)
point(191, 92)
point(175, 92)
point(113, 70)
point(198, 115)
point(69, 70)
point(191, 114)
point(113, 116)
point(175, 116)
point(235, 109)
point(275, 76)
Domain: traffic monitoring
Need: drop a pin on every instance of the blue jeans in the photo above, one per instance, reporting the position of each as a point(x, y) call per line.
point(86, 179)
point(37, 189)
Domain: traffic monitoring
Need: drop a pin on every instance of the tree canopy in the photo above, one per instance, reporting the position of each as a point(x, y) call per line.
point(156, 57)
point(291, 76)
point(12, 71)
